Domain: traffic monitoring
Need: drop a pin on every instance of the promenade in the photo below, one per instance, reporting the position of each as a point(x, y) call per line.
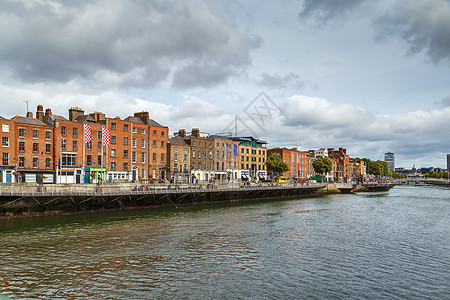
point(32, 199)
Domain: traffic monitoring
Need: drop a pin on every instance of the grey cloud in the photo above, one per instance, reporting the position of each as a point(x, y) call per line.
point(445, 102)
point(142, 43)
point(290, 80)
point(422, 24)
point(325, 10)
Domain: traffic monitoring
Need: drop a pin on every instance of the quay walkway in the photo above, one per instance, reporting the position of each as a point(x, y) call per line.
point(55, 198)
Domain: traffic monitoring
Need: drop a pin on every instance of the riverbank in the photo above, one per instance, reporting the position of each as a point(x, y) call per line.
point(28, 200)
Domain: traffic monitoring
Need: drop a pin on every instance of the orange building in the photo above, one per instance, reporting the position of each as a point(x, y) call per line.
point(297, 162)
point(341, 170)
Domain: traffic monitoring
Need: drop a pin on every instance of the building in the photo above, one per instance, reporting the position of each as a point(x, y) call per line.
point(340, 167)
point(389, 157)
point(179, 160)
point(297, 162)
point(9, 158)
point(448, 162)
point(252, 158)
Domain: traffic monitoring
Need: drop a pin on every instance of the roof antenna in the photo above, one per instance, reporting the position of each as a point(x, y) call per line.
point(27, 104)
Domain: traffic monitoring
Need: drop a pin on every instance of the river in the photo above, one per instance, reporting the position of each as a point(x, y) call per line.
point(385, 245)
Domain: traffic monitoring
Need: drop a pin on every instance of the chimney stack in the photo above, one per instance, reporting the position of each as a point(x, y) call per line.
point(48, 112)
point(144, 116)
point(29, 114)
point(74, 113)
point(195, 132)
point(182, 133)
point(98, 116)
point(40, 113)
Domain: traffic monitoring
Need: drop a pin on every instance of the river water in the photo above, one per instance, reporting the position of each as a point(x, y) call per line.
point(386, 245)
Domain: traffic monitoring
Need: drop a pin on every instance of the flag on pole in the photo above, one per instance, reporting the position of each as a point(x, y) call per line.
point(226, 148)
point(87, 133)
point(235, 150)
point(106, 136)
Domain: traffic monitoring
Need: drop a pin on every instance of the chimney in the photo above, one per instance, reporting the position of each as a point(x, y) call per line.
point(144, 116)
point(74, 113)
point(29, 114)
point(98, 116)
point(195, 132)
point(40, 113)
point(48, 112)
point(182, 133)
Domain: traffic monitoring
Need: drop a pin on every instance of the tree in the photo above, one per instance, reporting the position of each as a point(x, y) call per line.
point(276, 164)
point(322, 165)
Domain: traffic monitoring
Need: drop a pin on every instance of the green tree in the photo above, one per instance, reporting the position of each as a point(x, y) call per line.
point(322, 165)
point(276, 164)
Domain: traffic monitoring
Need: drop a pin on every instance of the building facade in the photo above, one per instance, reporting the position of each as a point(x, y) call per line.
point(389, 157)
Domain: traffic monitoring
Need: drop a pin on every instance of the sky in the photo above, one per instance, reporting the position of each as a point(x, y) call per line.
point(368, 76)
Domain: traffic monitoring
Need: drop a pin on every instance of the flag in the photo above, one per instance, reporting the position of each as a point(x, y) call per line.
point(106, 136)
point(235, 150)
point(87, 133)
point(226, 148)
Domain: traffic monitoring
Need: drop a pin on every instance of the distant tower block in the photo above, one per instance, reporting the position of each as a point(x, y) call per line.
point(389, 157)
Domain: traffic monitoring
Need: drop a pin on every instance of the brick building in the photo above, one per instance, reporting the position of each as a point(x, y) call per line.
point(252, 158)
point(179, 160)
point(9, 158)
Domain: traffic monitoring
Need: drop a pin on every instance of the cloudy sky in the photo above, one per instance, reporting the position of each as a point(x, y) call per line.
point(369, 76)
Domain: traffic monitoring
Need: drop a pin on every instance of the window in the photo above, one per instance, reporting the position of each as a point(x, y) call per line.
point(193, 153)
point(223, 154)
point(113, 166)
point(134, 130)
point(89, 160)
point(175, 149)
point(63, 131)
point(35, 147)
point(142, 131)
point(210, 154)
point(69, 159)
point(21, 132)
point(99, 145)
point(143, 158)
point(199, 144)
point(5, 158)
point(162, 144)
point(133, 156)
point(48, 163)
point(242, 150)
point(35, 134)
point(162, 133)
point(154, 132)
point(125, 127)
point(113, 139)
point(21, 146)
point(99, 134)
point(185, 158)
point(154, 143)
point(185, 150)
point(162, 157)
point(175, 157)
point(143, 143)
point(125, 166)
point(125, 140)
point(125, 153)
point(217, 154)
point(113, 152)
point(21, 162)
point(113, 126)
point(193, 143)
point(5, 141)
point(134, 143)
point(199, 154)
point(217, 166)
point(48, 135)
point(142, 173)
point(89, 145)
point(5, 127)
point(154, 157)
point(63, 144)
point(74, 145)
point(218, 144)
point(75, 132)
point(48, 148)
point(99, 160)
point(35, 162)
